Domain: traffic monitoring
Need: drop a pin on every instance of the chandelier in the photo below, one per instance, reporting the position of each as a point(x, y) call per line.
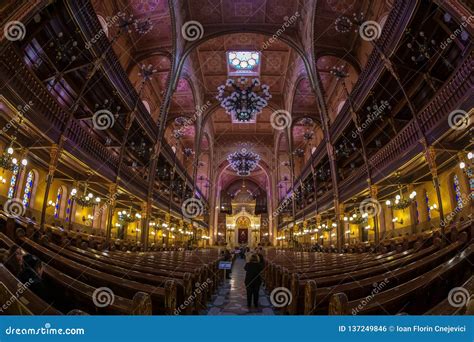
point(126, 217)
point(243, 99)
point(243, 161)
point(87, 199)
point(401, 202)
point(8, 162)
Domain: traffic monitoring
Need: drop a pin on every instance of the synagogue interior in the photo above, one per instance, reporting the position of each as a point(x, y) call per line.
point(236, 157)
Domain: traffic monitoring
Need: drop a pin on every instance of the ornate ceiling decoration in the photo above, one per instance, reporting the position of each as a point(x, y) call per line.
point(243, 161)
point(243, 100)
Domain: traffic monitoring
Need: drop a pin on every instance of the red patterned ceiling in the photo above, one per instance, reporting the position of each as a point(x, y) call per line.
point(241, 11)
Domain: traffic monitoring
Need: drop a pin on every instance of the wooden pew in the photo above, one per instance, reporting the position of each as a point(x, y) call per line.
point(445, 308)
point(17, 299)
point(184, 287)
point(364, 286)
point(418, 292)
point(163, 298)
point(64, 287)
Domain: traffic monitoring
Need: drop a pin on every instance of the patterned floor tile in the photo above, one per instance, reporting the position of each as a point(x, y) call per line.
point(231, 298)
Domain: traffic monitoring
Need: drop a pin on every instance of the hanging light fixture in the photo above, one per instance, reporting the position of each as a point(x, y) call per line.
point(125, 216)
point(243, 99)
point(87, 199)
point(401, 202)
point(243, 161)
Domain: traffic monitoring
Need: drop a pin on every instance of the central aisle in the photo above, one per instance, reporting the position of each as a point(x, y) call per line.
point(231, 297)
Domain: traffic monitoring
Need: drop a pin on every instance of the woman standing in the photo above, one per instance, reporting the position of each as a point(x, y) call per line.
point(253, 279)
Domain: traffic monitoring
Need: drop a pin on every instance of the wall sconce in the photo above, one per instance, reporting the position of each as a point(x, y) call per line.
point(397, 220)
point(434, 207)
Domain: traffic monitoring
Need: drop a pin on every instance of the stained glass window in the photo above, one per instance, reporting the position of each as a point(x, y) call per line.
point(427, 200)
point(30, 178)
point(68, 208)
point(457, 192)
point(470, 174)
point(57, 206)
point(243, 63)
point(11, 189)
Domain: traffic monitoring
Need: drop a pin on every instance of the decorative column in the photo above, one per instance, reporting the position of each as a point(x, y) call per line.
point(341, 228)
point(373, 194)
point(54, 155)
point(412, 207)
point(318, 224)
point(72, 209)
point(111, 204)
point(430, 157)
point(145, 222)
point(150, 192)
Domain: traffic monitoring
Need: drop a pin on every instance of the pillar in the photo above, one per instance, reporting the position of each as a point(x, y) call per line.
point(111, 206)
point(341, 227)
point(145, 223)
point(54, 155)
point(430, 157)
point(373, 194)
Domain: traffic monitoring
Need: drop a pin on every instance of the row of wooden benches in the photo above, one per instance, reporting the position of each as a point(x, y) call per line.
point(162, 281)
point(322, 282)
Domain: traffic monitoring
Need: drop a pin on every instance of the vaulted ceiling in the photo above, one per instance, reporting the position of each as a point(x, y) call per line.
point(245, 25)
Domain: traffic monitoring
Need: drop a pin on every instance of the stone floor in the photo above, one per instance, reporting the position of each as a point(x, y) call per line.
point(231, 298)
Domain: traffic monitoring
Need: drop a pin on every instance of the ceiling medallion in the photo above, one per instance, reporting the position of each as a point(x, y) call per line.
point(243, 99)
point(243, 161)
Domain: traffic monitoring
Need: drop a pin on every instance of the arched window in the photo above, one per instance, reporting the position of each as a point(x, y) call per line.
point(11, 189)
point(68, 208)
point(57, 206)
point(457, 192)
point(30, 178)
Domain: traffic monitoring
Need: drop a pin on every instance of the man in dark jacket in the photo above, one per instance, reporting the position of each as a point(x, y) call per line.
point(32, 276)
point(253, 279)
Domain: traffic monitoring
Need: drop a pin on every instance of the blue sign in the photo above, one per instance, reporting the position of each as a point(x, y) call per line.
point(277, 328)
point(225, 265)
